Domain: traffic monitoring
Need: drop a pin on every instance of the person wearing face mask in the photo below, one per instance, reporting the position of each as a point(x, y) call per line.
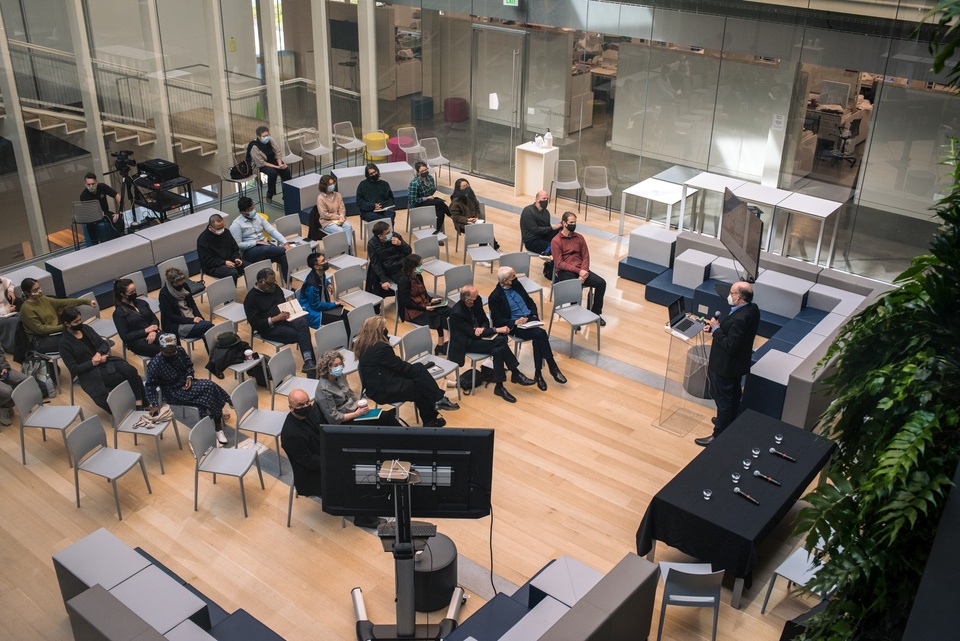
point(40, 316)
point(511, 306)
point(300, 439)
point(86, 355)
point(339, 404)
point(316, 295)
point(537, 231)
point(137, 325)
point(331, 214)
point(571, 259)
point(730, 355)
point(172, 373)
point(179, 314)
point(266, 156)
point(264, 315)
point(386, 250)
point(252, 233)
point(218, 251)
point(419, 307)
point(422, 193)
point(112, 224)
point(465, 208)
point(374, 197)
point(387, 378)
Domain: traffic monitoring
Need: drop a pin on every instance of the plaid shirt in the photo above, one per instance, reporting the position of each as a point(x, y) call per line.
point(419, 190)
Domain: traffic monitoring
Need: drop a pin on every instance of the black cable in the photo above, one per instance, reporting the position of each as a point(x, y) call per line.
point(491, 553)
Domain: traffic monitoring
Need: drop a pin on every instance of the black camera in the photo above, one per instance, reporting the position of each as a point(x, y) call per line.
point(123, 161)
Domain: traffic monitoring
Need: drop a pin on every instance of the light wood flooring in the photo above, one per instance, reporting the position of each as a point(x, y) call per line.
point(575, 468)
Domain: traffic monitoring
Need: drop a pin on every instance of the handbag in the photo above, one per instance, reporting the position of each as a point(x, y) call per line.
point(39, 368)
point(241, 170)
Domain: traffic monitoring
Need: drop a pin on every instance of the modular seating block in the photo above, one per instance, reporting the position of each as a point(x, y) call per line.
point(691, 268)
point(832, 299)
point(652, 243)
point(706, 300)
point(772, 344)
point(806, 345)
point(766, 386)
point(639, 271)
point(174, 238)
point(662, 290)
point(566, 580)
point(97, 615)
point(94, 267)
point(726, 270)
point(491, 621)
point(537, 621)
point(98, 558)
point(242, 626)
point(300, 193)
point(780, 294)
point(31, 271)
point(771, 323)
point(829, 324)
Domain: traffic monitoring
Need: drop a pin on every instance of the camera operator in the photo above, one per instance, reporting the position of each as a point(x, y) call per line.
point(112, 224)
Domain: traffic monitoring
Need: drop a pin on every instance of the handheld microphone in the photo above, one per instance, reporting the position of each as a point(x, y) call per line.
point(737, 490)
point(774, 450)
point(765, 477)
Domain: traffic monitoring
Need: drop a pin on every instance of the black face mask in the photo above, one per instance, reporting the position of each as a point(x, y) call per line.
point(374, 177)
point(572, 227)
point(467, 192)
point(324, 267)
point(269, 287)
point(543, 203)
point(132, 296)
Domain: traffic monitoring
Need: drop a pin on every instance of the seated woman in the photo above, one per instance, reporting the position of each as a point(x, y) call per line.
point(464, 207)
point(337, 402)
point(40, 316)
point(386, 250)
point(331, 214)
point(136, 323)
point(418, 306)
point(179, 313)
point(316, 295)
point(8, 309)
point(172, 372)
point(387, 378)
point(8, 297)
point(87, 356)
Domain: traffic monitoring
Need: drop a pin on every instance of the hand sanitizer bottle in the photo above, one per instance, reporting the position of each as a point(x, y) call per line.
point(548, 140)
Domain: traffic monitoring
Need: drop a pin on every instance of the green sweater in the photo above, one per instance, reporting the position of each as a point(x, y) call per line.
point(41, 317)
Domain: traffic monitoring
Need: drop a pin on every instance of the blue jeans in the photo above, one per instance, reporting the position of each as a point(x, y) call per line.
point(334, 228)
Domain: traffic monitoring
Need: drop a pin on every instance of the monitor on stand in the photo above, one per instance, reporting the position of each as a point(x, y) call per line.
point(741, 232)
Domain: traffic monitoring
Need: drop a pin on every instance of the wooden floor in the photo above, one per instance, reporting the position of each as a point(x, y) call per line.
point(575, 467)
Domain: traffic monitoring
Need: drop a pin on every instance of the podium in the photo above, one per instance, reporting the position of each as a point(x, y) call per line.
point(685, 384)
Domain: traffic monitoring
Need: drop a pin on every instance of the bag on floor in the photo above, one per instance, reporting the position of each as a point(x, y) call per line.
point(484, 377)
point(257, 373)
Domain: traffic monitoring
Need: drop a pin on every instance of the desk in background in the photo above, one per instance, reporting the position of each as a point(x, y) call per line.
point(726, 530)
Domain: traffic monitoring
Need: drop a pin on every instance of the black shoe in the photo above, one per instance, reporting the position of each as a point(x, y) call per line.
point(541, 384)
point(518, 378)
point(437, 422)
point(502, 392)
point(309, 366)
point(603, 323)
point(445, 404)
point(557, 375)
point(714, 421)
point(440, 350)
point(703, 442)
point(219, 375)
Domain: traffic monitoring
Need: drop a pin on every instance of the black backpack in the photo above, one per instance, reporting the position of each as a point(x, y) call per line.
point(484, 377)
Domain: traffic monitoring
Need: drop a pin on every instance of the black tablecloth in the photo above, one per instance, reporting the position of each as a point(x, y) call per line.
point(725, 530)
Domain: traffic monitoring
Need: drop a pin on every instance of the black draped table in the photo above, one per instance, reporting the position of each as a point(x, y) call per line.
point(726, 530)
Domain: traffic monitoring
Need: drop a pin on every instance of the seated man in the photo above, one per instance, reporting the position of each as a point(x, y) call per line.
point(316, 295)
point(112, 225)
point(264, 315)
point(386, 250)
point(470, 331)
point(218, 251)
point(266, 156)
point(251, 232)
point(571, 259)
point(300, 440)
point(375, 198)
point(510, 305)
point(536, 230)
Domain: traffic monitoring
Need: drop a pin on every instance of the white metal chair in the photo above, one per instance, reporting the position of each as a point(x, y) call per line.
point(421, 223)
point(348, 288)
point(417, 347)
point(368, 226)
point(251, 419)
point(333, 336)
point(87, 444)
point(692, 590)
point(290, 227)
point(124, 414)
point(28, 400)
point(250, 276)
point(482, 217)
point(290, 158)
point(220, 460)
point(284, 379)
point(454, 279)
point(377, 148)
point(433, 157)
point(225, 162)
point(595, 184)
point(239, 369)
point(478, 243)
point(297, 262)
point(222, 296)
point(565, 179)
point(90, 315)
point(520, 262)
point(567, 299)
point(141, 284)
point(411, 149)
point(337, 250)
point(196, 289)
point(428, 248)
point(311, 146)
point(355, 319)
point(345, 137)
point(799, 569)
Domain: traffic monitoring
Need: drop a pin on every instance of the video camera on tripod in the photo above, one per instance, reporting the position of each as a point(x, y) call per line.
point(123, 162)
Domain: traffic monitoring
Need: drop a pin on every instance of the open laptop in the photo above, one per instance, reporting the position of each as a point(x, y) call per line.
point(680, 325)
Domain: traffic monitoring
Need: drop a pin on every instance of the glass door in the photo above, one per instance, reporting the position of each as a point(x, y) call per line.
point(496, 93)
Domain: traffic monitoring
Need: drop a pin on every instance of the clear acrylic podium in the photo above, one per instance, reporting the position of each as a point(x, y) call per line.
point(685, 384)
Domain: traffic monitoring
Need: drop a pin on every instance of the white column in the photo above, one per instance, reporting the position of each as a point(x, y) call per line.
point(366, 25)
point(321, 64)
point(159, 101)
point(271, 66)
point(93, 136)
point(218, 77)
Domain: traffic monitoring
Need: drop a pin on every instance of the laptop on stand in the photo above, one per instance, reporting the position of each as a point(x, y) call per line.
point(680, 325)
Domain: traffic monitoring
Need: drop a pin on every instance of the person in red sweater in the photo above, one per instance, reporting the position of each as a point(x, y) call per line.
point(571, 259)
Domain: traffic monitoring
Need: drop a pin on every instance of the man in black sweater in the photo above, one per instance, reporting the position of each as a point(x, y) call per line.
point(261, 306)
point(300, 439)
point(537, 231)
point(218, 250)
point(375, 198)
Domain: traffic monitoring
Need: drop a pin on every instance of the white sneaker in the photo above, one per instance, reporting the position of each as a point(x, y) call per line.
point(222, 438)
point(484, 263)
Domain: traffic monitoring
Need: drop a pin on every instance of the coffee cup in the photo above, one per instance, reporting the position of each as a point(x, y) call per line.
point(362, 404)
point(248, 355)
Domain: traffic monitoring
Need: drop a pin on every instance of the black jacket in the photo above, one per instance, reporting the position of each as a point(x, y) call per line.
point(77, 354)
point(260, 306)
point(500, 307)
point(369, 193)
point(385, 262)
point(385, 375)
point(132, 323)
point(215, 251)
point(300, 439)
point(732, 346)
point(463, 321)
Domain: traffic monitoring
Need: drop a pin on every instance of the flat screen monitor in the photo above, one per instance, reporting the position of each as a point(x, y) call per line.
point(455, 467)
point(741, 232)
point(344, 35)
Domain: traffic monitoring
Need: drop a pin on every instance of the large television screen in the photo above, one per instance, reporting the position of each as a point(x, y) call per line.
point(344, 35)
point(455, 467)
point(741, 232)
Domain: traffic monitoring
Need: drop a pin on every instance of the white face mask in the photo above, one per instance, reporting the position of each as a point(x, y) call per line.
point(219, 231)
point(730, 299)
point(92, 189)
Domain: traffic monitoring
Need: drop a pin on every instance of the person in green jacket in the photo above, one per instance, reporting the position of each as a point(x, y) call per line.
point(40, 316)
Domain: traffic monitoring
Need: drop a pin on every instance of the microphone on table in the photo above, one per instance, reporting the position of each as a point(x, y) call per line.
point(737, 490)
point(765, 477)
point(774, 450)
